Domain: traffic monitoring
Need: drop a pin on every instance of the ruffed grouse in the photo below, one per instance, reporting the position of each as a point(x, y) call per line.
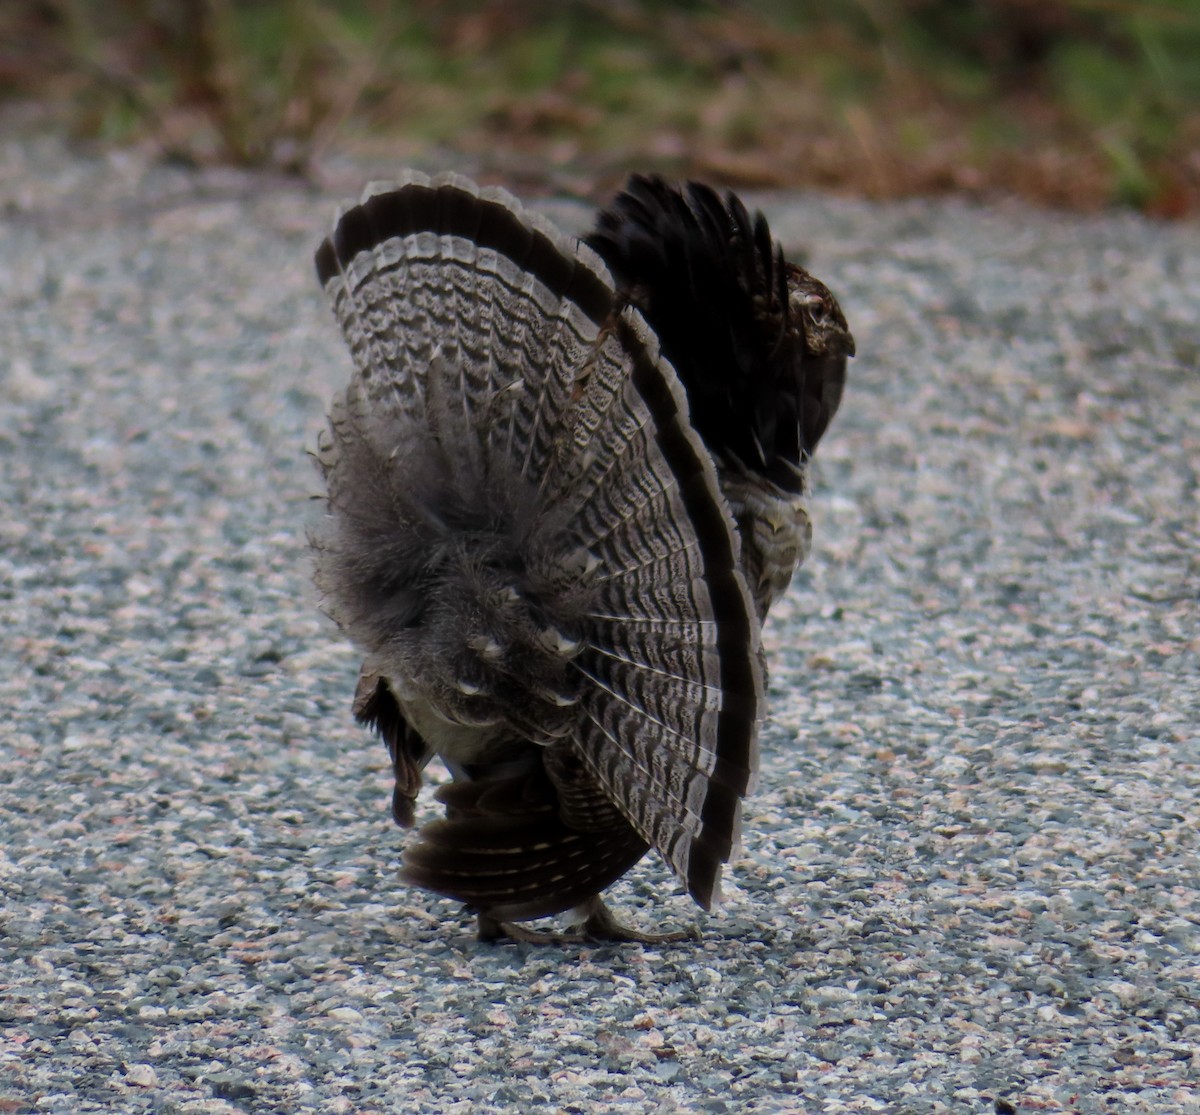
point(563, 488)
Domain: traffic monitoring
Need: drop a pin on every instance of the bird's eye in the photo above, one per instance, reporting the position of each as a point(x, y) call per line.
point(817, 308)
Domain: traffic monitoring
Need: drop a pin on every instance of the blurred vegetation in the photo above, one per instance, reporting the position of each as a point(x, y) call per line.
point(1074, 102)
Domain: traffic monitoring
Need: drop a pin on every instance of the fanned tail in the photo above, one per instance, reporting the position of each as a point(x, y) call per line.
point(527, 538)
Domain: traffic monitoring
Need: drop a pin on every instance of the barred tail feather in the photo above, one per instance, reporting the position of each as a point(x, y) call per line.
point(513, 468)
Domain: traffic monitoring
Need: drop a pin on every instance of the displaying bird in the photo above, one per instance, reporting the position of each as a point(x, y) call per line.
point(560, 497)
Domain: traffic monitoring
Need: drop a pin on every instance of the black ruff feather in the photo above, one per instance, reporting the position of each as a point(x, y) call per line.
point(713, 285)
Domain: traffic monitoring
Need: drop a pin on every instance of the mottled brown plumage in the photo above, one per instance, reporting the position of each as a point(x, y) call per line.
point(529, 530)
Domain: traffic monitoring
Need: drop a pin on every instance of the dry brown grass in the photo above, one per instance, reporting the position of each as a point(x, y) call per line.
point(1080, 103)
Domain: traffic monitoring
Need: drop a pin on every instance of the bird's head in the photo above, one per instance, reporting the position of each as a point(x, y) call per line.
point(815, 309)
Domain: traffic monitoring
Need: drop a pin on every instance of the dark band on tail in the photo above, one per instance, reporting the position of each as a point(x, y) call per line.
point(491, 222)
point(737, 720)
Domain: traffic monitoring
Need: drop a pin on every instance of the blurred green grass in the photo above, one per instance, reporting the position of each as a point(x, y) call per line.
point(1073, 102)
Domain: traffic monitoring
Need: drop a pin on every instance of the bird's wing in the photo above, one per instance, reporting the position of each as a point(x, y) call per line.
point(520, 845)
point(376, 706)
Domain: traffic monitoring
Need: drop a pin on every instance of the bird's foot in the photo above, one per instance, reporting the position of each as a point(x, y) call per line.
point(595, 922)
point(601, 924)
point(494, 929)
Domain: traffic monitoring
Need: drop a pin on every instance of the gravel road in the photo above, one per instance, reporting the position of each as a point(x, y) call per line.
point(971, 880)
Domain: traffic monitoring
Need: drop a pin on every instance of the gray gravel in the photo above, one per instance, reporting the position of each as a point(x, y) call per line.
point(971, 879)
